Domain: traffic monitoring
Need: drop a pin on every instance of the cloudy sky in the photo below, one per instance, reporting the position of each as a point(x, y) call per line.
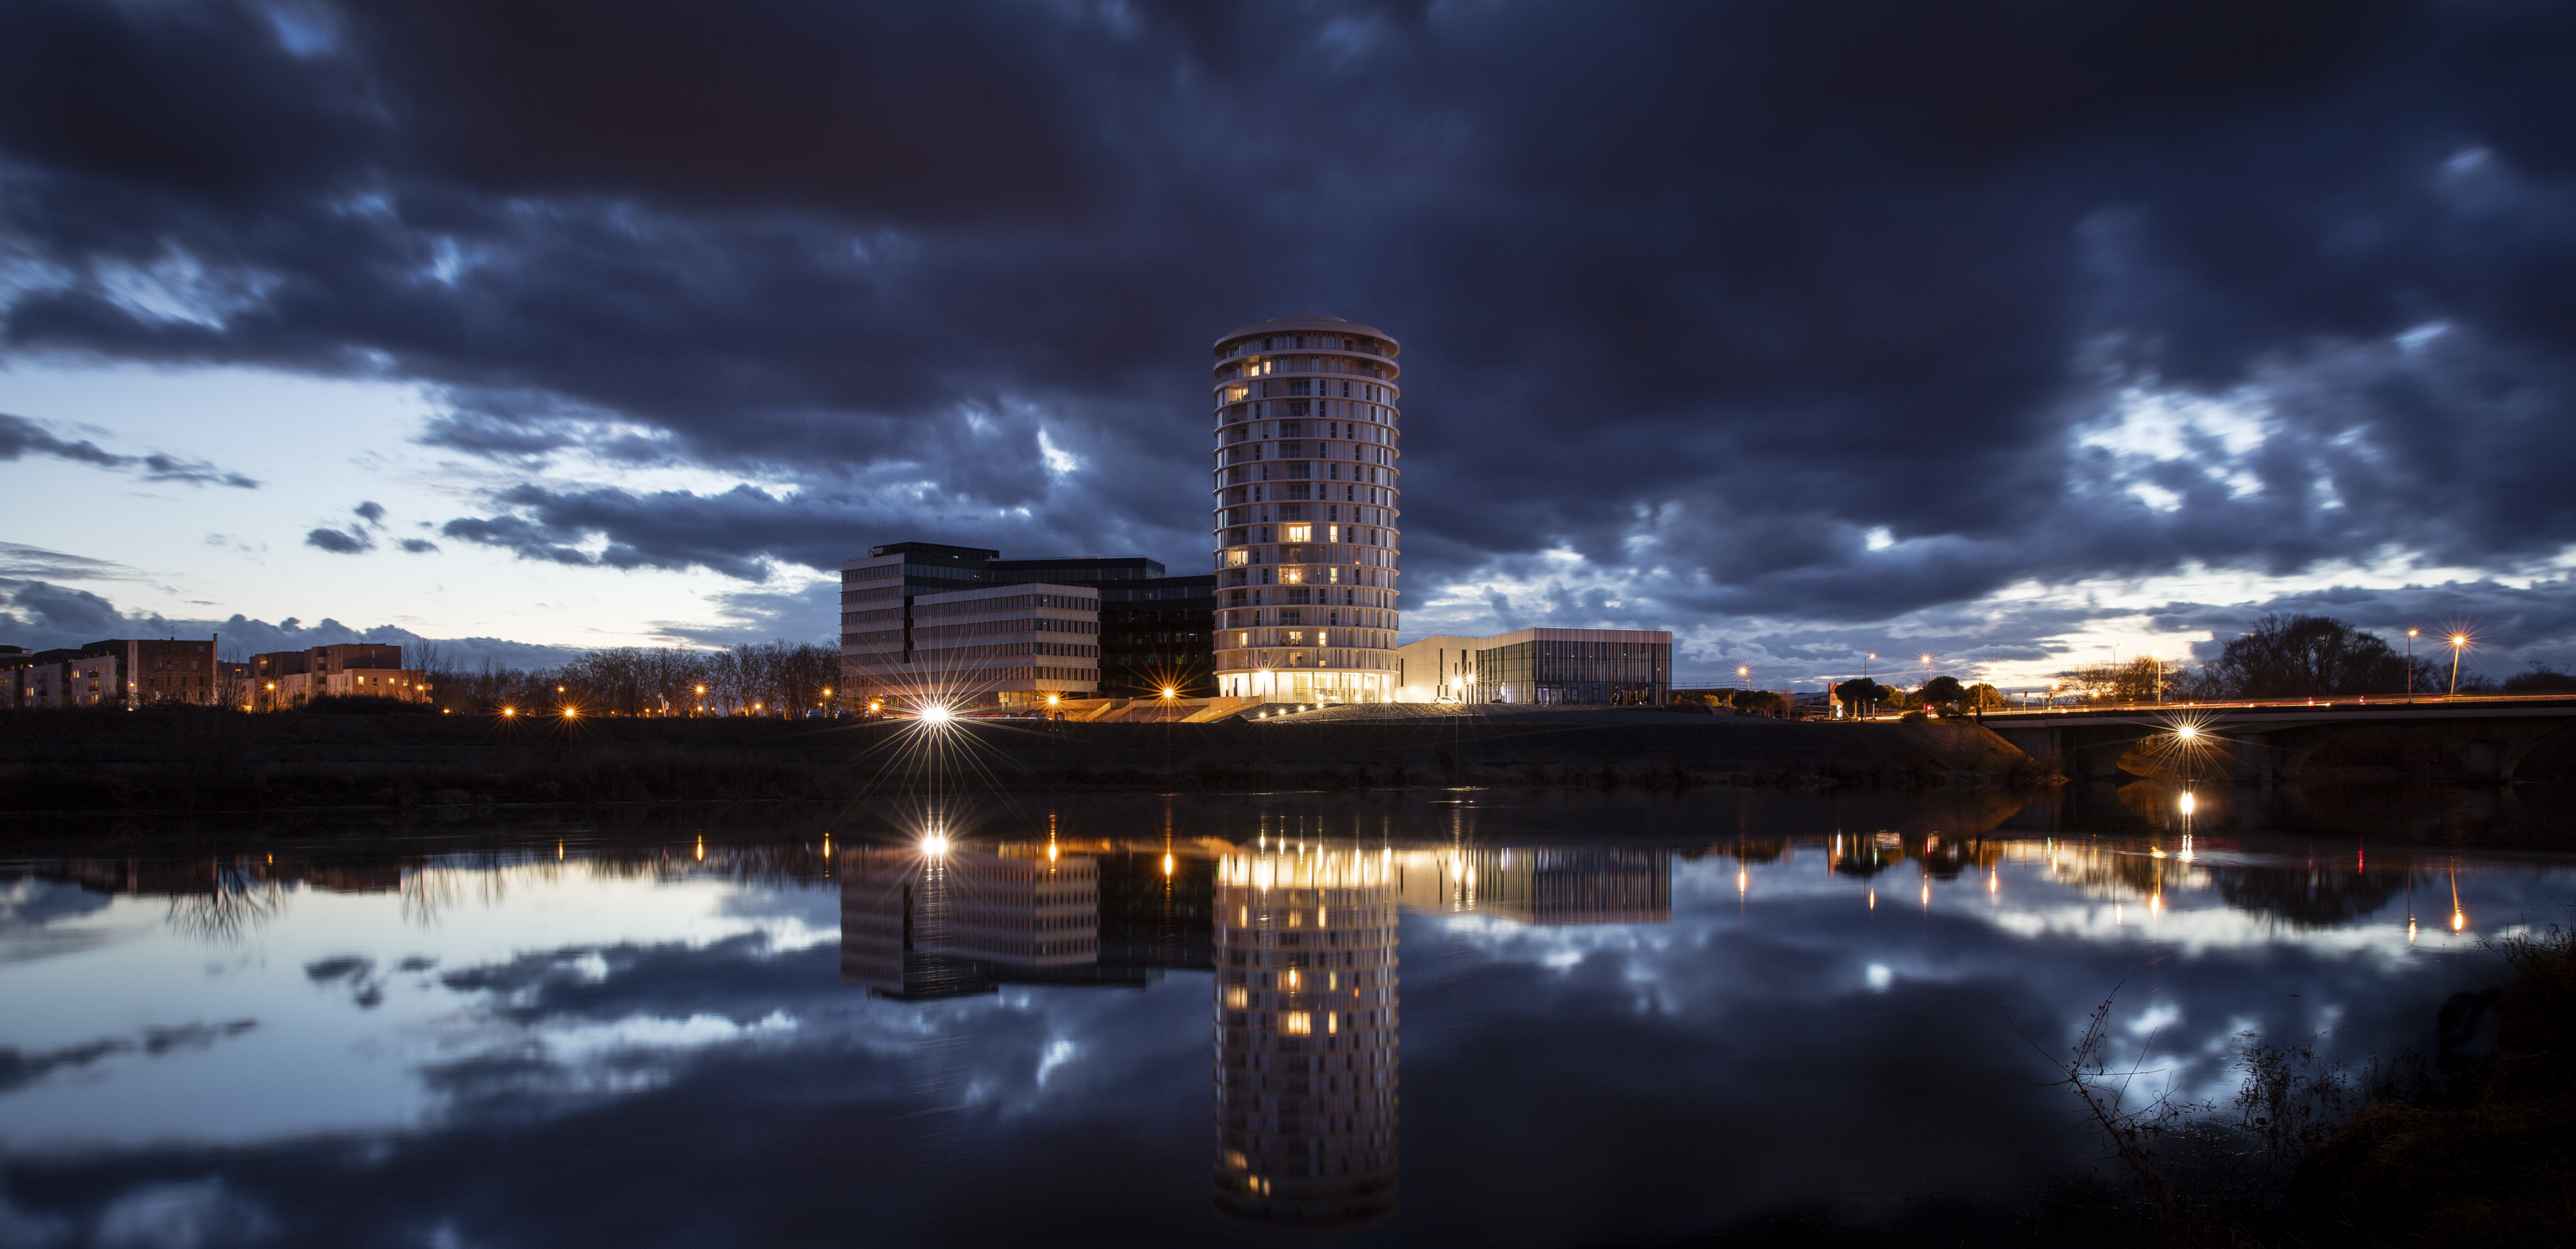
point(2001, 331)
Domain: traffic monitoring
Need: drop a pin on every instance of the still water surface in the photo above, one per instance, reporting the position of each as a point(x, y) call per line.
point(1488, 1017)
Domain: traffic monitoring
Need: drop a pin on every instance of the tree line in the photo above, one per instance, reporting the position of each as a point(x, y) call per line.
point(779, 678)
point(2280, 656)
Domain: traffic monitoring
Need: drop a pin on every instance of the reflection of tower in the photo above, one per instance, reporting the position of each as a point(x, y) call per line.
point(917, 925)
point(1307, 504)
point(1305, 1037)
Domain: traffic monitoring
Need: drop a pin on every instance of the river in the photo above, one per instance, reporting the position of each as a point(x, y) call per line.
point(1481, 1016)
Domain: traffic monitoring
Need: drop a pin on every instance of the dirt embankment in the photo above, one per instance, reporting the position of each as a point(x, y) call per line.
point(194, 759)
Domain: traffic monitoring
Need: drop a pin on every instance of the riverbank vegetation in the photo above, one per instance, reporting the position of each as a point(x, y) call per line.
point(778, 678)
point(2476, 1146)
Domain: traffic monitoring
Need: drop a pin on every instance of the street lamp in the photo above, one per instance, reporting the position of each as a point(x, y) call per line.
point(2410, 663)
point(2458, 640)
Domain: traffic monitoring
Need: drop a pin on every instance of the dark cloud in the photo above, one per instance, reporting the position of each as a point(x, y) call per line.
point(1704, 296)
point(20, 437)
point(340, 541)
point(41, 615)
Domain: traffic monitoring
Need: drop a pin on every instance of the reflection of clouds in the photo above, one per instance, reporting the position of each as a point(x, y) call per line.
point(171, 1215)
point(577, 1024)
point(581, 1042)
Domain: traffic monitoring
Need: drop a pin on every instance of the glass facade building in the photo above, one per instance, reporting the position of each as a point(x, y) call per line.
point(1541, 667)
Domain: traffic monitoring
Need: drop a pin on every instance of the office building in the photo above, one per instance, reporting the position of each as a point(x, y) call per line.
point(923, 621)
point(1540, 667)
point(1155, 630)
point(1308, 503)
point(1306, 1023)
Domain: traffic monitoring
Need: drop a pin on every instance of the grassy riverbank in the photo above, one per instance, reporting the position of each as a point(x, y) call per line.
point(202, 759)
point(2475, 1147)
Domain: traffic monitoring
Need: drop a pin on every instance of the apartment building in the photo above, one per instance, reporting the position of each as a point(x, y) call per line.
point(279, 680)
point(1307, 502)
point(114, 672)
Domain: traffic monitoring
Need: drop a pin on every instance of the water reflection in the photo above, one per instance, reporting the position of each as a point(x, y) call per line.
point(1306, 1020)
point(1710, 1021)
point(1539, 884)
point(919, 924)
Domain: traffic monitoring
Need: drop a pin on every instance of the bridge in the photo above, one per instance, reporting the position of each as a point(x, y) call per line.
point(2494, 738)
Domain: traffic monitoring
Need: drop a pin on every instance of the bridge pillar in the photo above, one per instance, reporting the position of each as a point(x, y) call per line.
point(2253, 761)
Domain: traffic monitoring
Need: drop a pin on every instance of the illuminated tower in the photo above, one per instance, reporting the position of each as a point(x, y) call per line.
point(1308, 501)
point(1305, 1037)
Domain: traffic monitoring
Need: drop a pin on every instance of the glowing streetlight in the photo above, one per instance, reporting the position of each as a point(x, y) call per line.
point(2410, 663)
point(935, 844)
point(572, 713)
point(2458, 640)
point(507, 712)
point(1167, 691)
point(936, 713)
point(1053, 699)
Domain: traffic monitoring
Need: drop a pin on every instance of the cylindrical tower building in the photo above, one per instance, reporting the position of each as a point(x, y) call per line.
point(1306, 1025)
point(1308, 500)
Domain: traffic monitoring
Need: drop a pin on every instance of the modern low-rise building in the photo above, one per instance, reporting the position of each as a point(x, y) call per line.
point(1541, 667)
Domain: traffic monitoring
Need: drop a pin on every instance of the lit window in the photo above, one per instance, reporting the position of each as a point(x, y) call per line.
point(1299, 533)
point(1297, 1023)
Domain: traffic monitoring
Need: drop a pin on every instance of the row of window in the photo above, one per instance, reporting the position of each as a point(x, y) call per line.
point(982, 628)
point(955, 654)
point(1348, 411)
point(1364, 639)
point(1325, 595)
point(1016, 602)
point(1326, 579)
point(1305, 342)
point(1296, 511)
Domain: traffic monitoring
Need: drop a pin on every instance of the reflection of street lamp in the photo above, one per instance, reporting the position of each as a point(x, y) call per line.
point(2458, 640)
